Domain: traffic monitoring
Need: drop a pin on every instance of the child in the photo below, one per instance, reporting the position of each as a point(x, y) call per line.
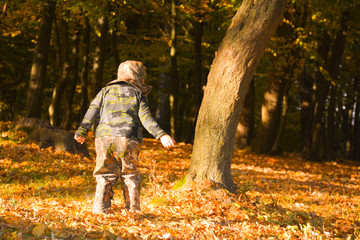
point(122, 109)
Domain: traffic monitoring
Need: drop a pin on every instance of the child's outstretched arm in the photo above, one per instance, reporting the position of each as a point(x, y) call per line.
point(167, 141)
point(152, 126)
point(89, 118)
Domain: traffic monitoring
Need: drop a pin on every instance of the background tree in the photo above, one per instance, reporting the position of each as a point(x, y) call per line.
point(64, 78)
point(245, 127)
point(101, 30)
point(38, 70)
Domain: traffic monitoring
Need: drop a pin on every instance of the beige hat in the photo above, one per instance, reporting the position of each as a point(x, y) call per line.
point(134, 73)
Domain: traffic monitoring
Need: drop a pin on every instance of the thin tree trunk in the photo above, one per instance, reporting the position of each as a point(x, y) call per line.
point(228, 82)
point(338, 50)
point(347, 112)
point(38, 69)
point(4, 9)
point(307, 111)
point(85, 68)
point(162, 112)
point(99, 54)
point(114, 48)
point(54, 113)
point(270, 115)
point(275, 149)
point(316, 147)
point(58, 45)
point(74, 78)
point(245, 127)
point(330, 128)
point(317, 151)
point(174, 95)
point(197, 78)
point(306, 90)
point(356, 129)
point(347, 127)
point(183, 107)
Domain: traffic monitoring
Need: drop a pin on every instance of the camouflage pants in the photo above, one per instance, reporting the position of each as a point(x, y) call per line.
point(112, 154)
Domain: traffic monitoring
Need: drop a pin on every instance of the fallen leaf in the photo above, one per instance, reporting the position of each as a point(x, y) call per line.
point(39, 230)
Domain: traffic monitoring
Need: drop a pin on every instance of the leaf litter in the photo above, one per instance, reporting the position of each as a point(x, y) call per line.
point(45, 194)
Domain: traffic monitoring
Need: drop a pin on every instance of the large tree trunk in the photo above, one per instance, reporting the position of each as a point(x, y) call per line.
point(64, 78)
point(38, 69)
point(245, 126)
point(228, 83)
point(99, 54)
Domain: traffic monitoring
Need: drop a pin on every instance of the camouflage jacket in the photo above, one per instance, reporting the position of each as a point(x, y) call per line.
point(122, 110)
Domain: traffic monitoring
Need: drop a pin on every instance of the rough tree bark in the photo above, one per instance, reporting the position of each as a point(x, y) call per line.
point(228, 82)
point(38, 69)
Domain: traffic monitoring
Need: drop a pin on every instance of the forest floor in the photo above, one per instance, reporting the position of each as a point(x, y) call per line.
point(46, 194)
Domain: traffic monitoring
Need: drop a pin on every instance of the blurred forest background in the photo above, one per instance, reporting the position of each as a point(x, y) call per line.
point(304, 98)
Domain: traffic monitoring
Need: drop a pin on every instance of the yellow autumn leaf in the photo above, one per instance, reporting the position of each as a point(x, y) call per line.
point(158, 202)
point(39, 230)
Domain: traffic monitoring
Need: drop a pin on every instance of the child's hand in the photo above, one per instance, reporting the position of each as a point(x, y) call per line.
point(167, 141)
point(79, 139)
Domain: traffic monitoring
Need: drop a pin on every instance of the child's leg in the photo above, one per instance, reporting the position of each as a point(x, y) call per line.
point(130, 175)
point(131, 191)
point(104, 193)
point(106, 173)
